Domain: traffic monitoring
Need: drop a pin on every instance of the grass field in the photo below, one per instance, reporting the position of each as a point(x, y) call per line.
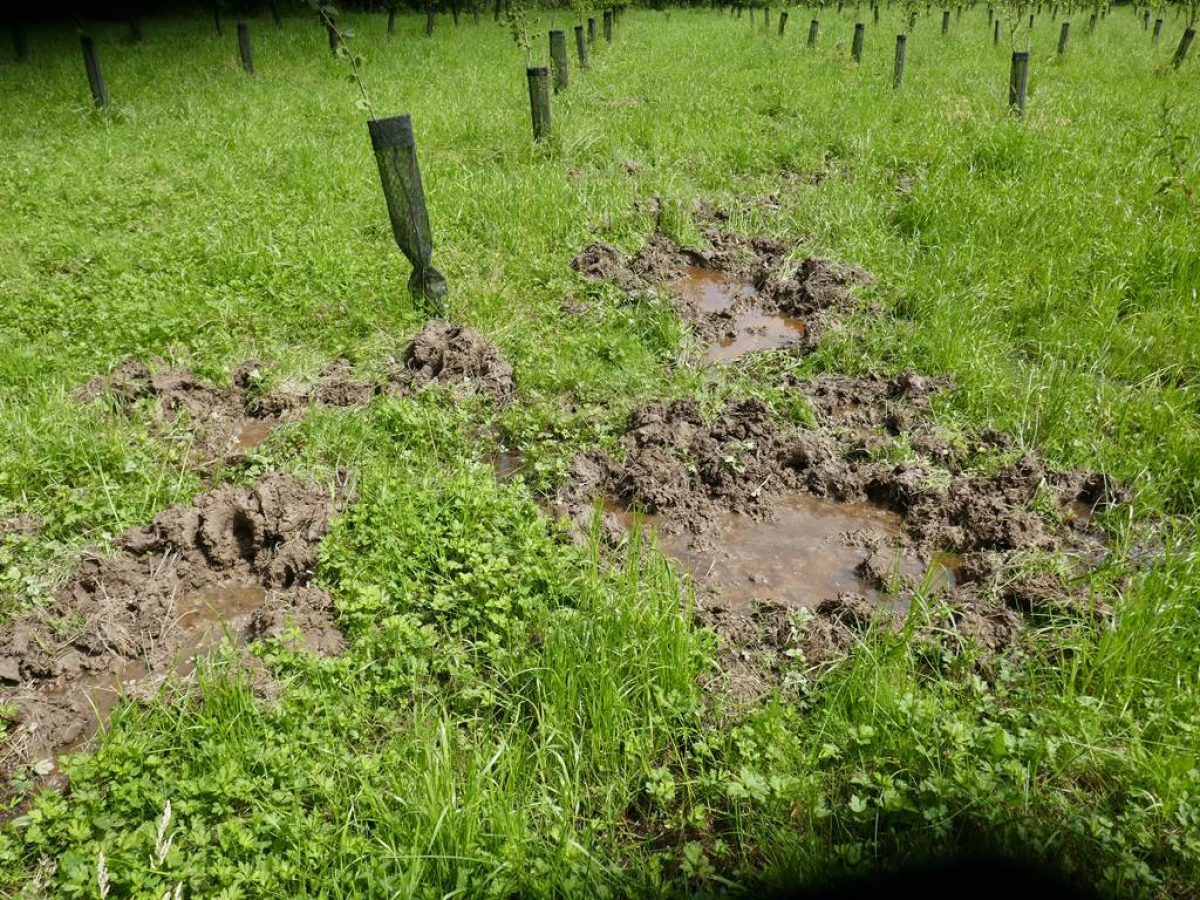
point(514, 713)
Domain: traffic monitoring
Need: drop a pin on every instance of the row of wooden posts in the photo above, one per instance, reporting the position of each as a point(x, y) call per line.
point(558, 54)
point(1018, 85)
point(538, 77)
point(856, 46)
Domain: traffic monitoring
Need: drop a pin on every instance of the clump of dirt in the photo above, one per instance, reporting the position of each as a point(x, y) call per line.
point(226, 422)
point(445, 353)
point(237, 561)
point(20, 525)
point(974, 517)
point(765, 285)
point(337, 386)
point(677, 462)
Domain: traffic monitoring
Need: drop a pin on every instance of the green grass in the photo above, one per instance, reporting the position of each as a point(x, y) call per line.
point(512, 714)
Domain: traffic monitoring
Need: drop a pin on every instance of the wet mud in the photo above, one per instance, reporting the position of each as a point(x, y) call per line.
point(234, 564)
point(740, 294)
point(732, 319)
point(799, 540)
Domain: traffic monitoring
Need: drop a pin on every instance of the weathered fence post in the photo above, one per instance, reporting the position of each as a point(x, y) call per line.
point(558, 59)
point(1063, 36)
point(1146, 20)
point(396, 155)
point(995, 32)
point(875, 13)
point(496, 12)
point(391, 22)
point(945, 21)
point(335, 39)
point(475, 12)
point(1185, 42)
point(783, 17)
point(539, 100)
point(608, 26)
point(591, 29)
point(898, 70)
point(857, 45)
point(1157, 30)
point(430, 15)
point(813, 28)
point(243, 31)
point(1018, 82)
point(91, 62)
point(454, 11)
point(581, 48)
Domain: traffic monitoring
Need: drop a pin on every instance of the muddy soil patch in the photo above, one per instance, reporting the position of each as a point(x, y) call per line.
point(236, 562)
point(735, 291)
point(963, 528)
point(226, 421)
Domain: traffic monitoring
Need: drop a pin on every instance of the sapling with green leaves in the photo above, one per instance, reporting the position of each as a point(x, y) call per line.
point(518, 26)
point(328, 14)
point(1017, 12)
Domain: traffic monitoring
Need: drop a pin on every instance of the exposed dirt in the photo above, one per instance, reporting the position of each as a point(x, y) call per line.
point(226, 422)
point(237, 561)
point(446, 353)
point(21, 524)
point(809, 292)
point(975, 512)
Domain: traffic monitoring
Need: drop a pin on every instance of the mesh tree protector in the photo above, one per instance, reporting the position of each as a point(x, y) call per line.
point(396, 154)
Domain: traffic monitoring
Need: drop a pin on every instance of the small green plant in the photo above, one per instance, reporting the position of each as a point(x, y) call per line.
point(1172, 149)
point(517, 19)
point(328, 14)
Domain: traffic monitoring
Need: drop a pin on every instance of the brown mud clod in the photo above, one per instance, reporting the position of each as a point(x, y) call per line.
point(797, 541)
point(445, 353)
point(237, 562)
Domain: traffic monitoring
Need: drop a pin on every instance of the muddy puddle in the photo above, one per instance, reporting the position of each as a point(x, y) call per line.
point(813, 550)
point(234, 564)
point(252, 434)
point(742, 326)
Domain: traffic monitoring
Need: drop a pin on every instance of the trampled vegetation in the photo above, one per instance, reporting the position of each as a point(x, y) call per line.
point(370, 599)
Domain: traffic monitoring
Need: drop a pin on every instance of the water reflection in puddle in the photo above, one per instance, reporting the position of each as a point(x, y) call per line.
point(815, 550)
point(750, 328)
point(207, 616)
